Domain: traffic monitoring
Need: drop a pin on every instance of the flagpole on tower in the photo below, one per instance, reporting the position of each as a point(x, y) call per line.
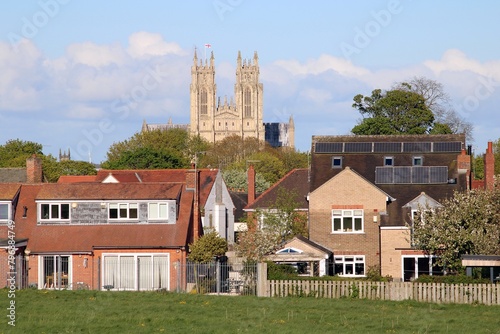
point(207, 46)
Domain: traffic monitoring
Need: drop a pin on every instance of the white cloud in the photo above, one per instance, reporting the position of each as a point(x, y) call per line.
point(323, 64)
point(146, 44)
point(319, 96)
point(94, 55)
point(457, 61)
point(85, 112)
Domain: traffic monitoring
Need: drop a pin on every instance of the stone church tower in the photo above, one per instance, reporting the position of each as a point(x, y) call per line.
point(242, 115)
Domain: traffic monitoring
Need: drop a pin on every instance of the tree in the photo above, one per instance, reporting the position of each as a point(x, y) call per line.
point(283, 218)
point(478, 161)
point(175, 146)
point(207, 247)
point(52, 169)
point(238, 179)
point(393, 112)
point(467, 223)
point(15, 152)
point(278, 224)
point(232, 149)
point(147, 158)
point(438, 101)
point(265, 163)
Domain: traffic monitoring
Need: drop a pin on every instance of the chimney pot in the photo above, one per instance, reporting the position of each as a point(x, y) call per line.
point(251, 184)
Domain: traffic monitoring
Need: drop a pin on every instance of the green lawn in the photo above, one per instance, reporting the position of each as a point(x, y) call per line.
point(39, 311)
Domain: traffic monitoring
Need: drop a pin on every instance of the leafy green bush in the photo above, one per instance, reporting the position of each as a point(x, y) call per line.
point(373, 274)
point(281, 271)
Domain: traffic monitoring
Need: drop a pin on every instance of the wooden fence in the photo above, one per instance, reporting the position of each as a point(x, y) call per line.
point(488, 294)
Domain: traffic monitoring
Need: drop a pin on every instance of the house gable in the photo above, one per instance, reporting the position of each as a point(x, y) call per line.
point(348, 188)
point(422, 201)
point(344, 215)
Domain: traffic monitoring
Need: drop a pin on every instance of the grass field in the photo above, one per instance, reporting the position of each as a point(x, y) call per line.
point(42, 311)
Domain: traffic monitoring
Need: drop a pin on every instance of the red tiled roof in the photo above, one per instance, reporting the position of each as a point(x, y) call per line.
point(83, 238)
point(207, 177)
point(76, 178)
point(8, 190)
point(296, 181)
point(116, 191)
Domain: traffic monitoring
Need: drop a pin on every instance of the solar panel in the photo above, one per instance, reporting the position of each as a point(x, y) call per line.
point(417, 147)
point(438, 174)
point(387, 147)
point(454, 146)
point(402, 174)
point(384, 175)
point(411, 175)
point(420, 175)
point(358, 147)
point(328, 147)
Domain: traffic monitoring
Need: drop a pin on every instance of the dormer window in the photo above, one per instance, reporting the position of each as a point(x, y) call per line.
point(158, 211)
point(54, 211)
point(123, 211)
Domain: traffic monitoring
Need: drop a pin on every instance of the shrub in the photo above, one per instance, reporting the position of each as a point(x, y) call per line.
point(281, 271)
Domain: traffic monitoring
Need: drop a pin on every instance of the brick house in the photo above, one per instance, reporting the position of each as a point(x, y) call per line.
point(308, 257)
point(215, 202)
point(111, 235)
point(365, 189)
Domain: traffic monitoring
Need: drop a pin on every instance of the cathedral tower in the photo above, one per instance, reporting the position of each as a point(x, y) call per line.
point(203, 92)
point(241, 115)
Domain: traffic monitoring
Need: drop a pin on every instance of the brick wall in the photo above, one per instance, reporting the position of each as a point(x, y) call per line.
point(85, 267)
point(392, 240)
point(347, 190)
point(33, 169)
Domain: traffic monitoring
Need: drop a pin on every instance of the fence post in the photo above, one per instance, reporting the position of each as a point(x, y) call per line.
point(262, 280)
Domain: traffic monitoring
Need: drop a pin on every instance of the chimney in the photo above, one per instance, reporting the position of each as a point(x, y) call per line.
point(463, 161)
point(489, 167)
point(251, 184)
point(34, 169)
point(190, 178)
point(192, 184)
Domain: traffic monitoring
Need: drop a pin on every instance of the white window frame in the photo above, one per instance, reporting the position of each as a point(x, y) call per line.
point(119, 271)
point(417, 160)
point(158, 211)
point(389, 158)
point(127, 205)
point(342, 214)
point(42, 275)
point(349, 262)
point(52, 217)
point(9, 212)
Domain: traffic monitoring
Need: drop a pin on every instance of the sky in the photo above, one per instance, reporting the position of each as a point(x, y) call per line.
point(82, 75)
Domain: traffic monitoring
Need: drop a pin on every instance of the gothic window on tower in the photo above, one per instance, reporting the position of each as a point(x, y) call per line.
point(203, 103)
point(247, 102)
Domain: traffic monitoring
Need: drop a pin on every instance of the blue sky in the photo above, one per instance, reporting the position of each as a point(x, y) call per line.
point(70, 67)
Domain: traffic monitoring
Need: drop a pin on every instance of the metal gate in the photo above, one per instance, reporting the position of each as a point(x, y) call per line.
point(217, 278)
